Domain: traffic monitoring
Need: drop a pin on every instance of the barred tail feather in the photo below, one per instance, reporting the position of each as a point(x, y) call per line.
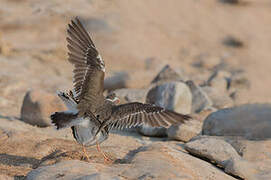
point(64, 119)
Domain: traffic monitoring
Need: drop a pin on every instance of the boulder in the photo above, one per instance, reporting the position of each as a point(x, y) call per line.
point(167, 74)
point(38, 106)
point(200, 100)
point(160, 161)
point(212, 148)
point(175, 96)
point(221, 153)
point(186, 131)
point(251, 121)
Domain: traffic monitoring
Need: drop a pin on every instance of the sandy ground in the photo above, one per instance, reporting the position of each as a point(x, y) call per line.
point(138, 37)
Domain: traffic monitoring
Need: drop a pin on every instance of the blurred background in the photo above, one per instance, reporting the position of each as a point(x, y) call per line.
point(196, 38)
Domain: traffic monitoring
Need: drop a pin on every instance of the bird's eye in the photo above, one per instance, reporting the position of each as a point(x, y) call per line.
point(98, 116)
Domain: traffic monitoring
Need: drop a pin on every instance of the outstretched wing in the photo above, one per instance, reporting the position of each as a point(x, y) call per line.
point(136, 114)
point(89, 67)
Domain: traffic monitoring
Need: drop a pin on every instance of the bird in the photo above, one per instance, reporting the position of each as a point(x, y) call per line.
point(90, 114)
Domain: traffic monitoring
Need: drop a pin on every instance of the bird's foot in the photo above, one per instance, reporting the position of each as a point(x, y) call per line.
point(107, 160)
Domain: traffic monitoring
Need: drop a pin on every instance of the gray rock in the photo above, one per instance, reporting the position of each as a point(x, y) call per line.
point(200, 100)
point(221, 153)
point(232, 41)
point(212, 148)
point(153, 131)
point(174, 96)
point(185, 132)
point(131, 95)
point(160, 161)
point(117, 81)
point(230, 1)
point(219, 99)
point(256, 152)
point(219, 80)
point(242, 168)
point(167, 74)
point(38, 106)
point(251, 121)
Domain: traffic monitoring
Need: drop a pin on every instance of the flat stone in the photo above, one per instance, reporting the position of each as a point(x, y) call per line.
point(159, 161)
point(69, 170)
point(242, 168)
point(212, 148)
point(221, 153)
point(251, 121)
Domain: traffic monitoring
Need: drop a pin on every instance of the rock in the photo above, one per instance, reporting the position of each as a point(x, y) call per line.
point(200, 100)
point(72, 169)
point(233, 42)
point(153, 131)
point(167, 74)
point(38, 106)
point(159, 161)
point(220, 100)
point(241, 168)
point(185, 132)
point(255, 152)
point(239, 81)
point(219, 80)
point(219, 152)
point(213, 149)
point(251, 121)
point(175, 96)
point(206, 62)
point(117, 81)
point(131, 95)
point(230, 1)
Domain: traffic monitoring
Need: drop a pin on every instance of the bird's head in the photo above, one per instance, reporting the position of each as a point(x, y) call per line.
point(113, 98)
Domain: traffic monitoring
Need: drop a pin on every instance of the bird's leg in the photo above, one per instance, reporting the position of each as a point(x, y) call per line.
point(84, 150)
point(104, 155)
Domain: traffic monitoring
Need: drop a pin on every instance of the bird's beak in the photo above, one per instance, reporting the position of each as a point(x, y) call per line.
point(117, 101)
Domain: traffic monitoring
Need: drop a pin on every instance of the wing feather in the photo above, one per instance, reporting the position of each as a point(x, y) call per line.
point(136, 114)
point(88, 65)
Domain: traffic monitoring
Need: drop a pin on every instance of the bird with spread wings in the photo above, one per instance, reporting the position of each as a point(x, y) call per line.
point(91, 115)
